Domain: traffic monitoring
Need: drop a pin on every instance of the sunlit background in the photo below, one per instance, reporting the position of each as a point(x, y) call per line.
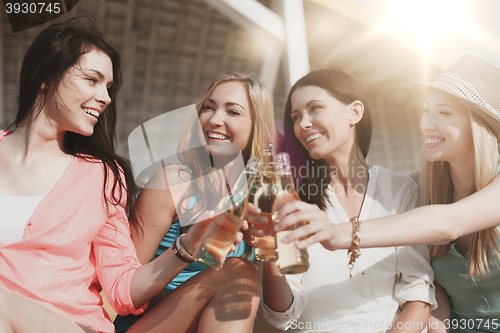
point(173, 49)
point(459, 27)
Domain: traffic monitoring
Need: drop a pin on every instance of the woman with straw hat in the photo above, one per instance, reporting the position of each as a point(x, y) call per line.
point(461, 127)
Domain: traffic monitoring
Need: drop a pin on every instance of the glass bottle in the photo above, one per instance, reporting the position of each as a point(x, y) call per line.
point(291, 260)
point(231, 211)
point(264, 199)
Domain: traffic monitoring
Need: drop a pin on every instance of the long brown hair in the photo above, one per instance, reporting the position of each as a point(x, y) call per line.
point(54, 51)
point(436, 187)
point(345, 89)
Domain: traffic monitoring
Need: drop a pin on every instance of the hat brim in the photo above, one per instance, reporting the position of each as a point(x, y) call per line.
point(421, 89)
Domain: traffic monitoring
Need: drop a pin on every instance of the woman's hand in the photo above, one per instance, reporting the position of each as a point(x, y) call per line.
point(193, 238)
point(316, 230)
point(253, 225)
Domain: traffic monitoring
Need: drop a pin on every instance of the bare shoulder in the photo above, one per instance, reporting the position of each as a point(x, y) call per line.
point(169, 176)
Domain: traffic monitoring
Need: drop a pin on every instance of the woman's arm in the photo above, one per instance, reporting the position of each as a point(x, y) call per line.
point(276, 291)
point(413, 319)
point(434, 224)
point(278, 296)
point(156, 209)
point(442, 313)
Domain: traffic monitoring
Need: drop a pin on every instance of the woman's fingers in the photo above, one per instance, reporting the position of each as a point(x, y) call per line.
point(255, 224)
point(252, 209)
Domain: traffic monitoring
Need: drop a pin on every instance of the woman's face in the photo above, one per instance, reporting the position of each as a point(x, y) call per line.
point(82, 94)
point(321, 123)
point(447, 128)
point(226, 119)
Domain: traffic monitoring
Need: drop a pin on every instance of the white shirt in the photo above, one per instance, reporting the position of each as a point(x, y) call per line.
point(15, 212)
point(327, 300)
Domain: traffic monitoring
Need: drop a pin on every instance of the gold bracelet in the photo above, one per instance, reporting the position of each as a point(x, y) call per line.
point(353, 253)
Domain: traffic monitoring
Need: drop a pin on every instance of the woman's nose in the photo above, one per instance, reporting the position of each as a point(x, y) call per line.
point(217, 118)
point(427, 122)
point(305, 121)
point(103, 97)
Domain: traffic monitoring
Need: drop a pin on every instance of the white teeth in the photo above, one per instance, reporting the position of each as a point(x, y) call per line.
point(217, 136)
point(92, 112)
point(431, 141)
point(312, 137)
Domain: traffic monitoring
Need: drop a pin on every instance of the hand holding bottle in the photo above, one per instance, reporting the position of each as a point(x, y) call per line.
point(318, 229)
point(192, 240)
point(254, 225)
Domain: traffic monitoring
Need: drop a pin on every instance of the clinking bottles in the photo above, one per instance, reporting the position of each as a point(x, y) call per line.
point(230, 213)
point(290, 259)
point(264, 199)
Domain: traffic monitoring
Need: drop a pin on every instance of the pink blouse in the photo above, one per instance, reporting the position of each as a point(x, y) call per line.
point(74, 246)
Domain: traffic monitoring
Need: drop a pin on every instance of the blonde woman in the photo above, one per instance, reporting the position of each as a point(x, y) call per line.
point(236, 117)
point(461, 127)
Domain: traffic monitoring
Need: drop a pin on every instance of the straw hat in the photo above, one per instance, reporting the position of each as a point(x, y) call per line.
point(473, 82)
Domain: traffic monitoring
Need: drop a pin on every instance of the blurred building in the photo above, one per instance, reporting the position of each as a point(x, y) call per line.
point(172, 49)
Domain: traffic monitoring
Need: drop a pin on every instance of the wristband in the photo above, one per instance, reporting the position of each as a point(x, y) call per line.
point(181, 252)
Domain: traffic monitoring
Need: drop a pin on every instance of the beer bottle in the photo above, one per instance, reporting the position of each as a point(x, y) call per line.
point(230, 213)
point(264, 199)
point(291, 260)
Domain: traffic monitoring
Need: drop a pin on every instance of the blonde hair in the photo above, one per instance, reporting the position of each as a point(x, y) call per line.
point(436, 187)
point(263, 130)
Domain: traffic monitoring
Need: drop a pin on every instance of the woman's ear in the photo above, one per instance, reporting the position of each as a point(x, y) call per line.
point(356, 110)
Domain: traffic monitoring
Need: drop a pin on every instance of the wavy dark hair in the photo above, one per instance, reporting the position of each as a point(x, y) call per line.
point(345, 89)
point(54, 51)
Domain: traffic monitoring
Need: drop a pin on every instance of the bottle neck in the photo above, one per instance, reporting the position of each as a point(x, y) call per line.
point(284, 180)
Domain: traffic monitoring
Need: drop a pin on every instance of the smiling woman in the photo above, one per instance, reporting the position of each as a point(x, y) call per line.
point(459, 187)
point(83, 88)
point(235, 116)
point(327, 127)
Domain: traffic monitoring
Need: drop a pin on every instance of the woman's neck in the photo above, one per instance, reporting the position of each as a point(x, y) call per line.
point(232, 168)
point(349, 173)
point(36, 137)
point(462, 178)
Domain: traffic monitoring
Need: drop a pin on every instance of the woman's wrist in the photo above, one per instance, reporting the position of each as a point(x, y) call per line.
point(181, 252)
point(188, 245)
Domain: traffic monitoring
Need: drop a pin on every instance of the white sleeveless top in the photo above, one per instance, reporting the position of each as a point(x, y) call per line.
point(15, 212)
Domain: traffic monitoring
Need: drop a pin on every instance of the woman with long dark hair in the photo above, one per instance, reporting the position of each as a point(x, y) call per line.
point(459, 188)
point(327, 132)
point(65, 195)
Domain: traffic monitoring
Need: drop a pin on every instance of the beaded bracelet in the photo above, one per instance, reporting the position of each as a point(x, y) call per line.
point(353, 253)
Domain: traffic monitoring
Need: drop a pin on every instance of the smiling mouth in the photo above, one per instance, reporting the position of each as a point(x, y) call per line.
point(313, 137)
point(216, 136)
point(433, 141)
point(92, 112)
